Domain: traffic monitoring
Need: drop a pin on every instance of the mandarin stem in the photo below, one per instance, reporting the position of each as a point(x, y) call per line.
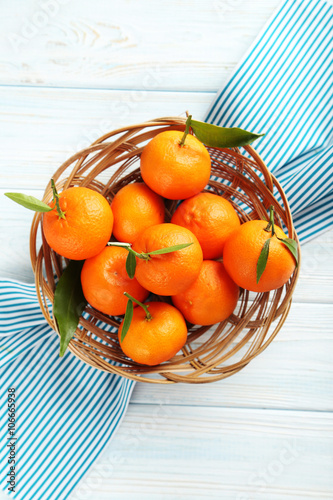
point(271, 218)
point(118, 244)
point(271, 221)
point(144, 306)
point(61, 214)
point(187, 129)
point(128, 248)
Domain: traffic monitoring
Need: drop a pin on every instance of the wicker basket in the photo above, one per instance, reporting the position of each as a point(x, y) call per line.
point(211, 353)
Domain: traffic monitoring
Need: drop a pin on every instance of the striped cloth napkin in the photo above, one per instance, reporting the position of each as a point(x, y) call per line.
point(283, 88)
point(68, 411)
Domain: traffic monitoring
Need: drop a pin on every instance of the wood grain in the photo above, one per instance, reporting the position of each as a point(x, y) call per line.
point(177, 452)
point(181, 45)
point(41, 128)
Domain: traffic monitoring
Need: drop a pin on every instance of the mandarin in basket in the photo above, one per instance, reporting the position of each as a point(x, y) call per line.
point(104, 280)
point(168, 273)
point(211, 218)
point(256, 239)
point(135, 207)
point(156, 333)
point(211, 298)
point(80, 225)
point(173, 167)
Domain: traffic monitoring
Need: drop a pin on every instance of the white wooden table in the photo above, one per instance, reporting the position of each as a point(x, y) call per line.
point(73, 69)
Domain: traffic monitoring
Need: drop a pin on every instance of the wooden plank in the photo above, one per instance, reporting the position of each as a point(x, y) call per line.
point(141, 45)
point(172, 453)
point(41, 128)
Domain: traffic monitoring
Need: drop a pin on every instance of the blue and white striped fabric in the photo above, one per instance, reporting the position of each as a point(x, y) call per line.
point(283, 88)
point(66, 410)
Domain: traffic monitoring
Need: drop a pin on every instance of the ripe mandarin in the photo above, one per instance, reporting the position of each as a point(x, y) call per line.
point(153, 341)
point(174, 171)
point(87, 225)
point(170, 273)
point(104, 280)
point(241, 254)
point(135, 207)
point(211, 219)
point(211, 298)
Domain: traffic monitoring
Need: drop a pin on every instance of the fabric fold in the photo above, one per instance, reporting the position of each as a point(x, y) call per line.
point(67, 411)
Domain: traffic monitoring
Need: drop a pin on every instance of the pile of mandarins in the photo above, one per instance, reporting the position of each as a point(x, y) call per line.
point(199, 259)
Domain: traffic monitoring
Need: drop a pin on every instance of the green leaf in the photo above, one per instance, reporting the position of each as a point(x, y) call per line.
point(262, 261)
point(69, 303)
point(130, 264)
point(29, 202)
point(127, 319)
point(222, 137)
point(292, 247)
point(169, 249)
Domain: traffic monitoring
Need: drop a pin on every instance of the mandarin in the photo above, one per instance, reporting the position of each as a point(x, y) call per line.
point(151, 341)
point(174, 171)
point(241, 253)
point(169, 273)
point(211, 219)
point(104, 280)
point(135, 207)
point(211, 298)
point(86, 227)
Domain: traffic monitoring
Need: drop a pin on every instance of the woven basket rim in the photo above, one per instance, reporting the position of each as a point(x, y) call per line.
point(242, 173)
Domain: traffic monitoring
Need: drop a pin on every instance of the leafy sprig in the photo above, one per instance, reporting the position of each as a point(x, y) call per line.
point(132, 254)
point(32, 203)
point(129, 314)
point(288, 242)
point(218, 137)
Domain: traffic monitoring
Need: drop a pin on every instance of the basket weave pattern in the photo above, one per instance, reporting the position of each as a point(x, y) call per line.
point(211, 353)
